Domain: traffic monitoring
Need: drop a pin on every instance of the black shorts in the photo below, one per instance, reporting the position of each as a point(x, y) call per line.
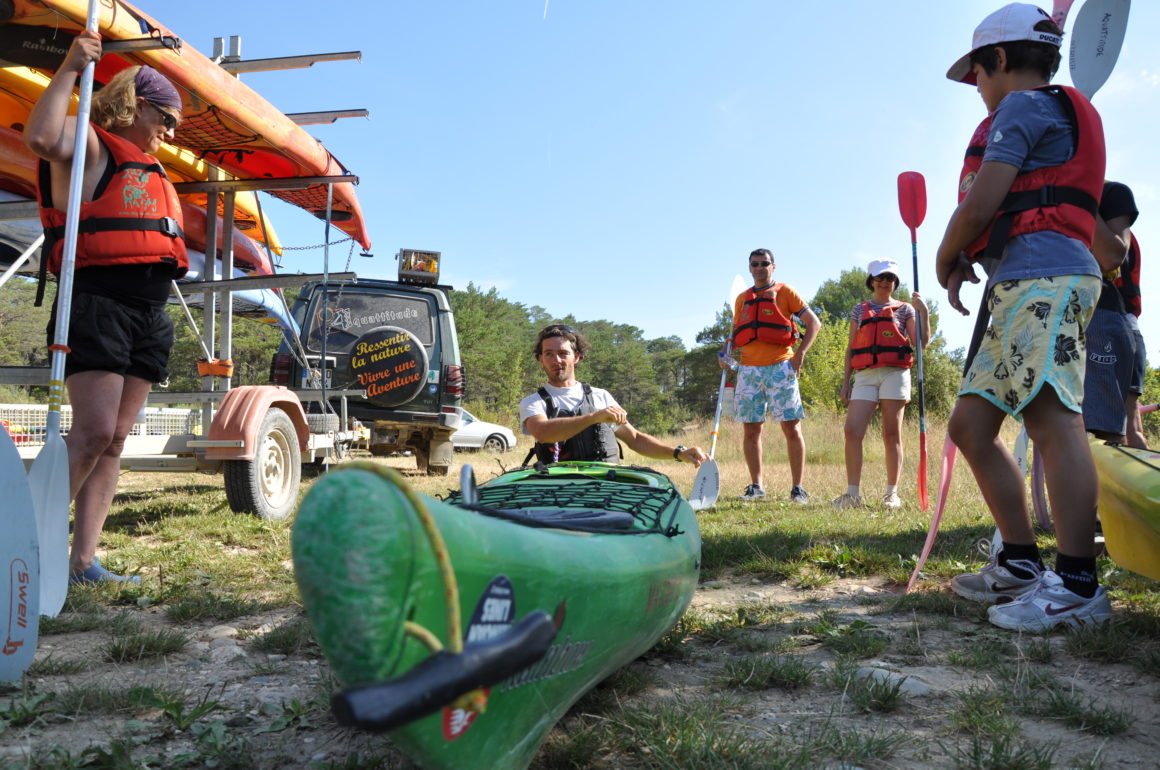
point(106, 335)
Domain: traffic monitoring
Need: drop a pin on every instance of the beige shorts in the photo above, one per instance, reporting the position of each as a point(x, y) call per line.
point(884, 382)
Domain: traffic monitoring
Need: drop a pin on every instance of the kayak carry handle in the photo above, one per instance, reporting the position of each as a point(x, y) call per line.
point(440, 679)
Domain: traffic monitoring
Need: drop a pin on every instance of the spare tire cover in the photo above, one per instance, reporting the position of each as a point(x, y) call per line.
point(390, 364)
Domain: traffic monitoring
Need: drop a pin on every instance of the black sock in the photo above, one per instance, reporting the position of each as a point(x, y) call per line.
point(1078, 574)
point(1022, 552)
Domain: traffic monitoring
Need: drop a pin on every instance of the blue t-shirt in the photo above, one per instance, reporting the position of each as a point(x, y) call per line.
point(1030, 130)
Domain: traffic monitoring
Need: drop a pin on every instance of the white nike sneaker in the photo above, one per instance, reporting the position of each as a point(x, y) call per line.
point(995, 582)
point(1051, 604)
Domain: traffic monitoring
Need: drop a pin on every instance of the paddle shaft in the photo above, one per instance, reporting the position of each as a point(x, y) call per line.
point(71, 231)
point(720, 398)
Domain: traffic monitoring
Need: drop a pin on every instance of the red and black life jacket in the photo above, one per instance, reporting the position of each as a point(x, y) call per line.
point(133, 219)
point(1063, 198)
point(1128, 282)
point(880, 341)
point(761, 319)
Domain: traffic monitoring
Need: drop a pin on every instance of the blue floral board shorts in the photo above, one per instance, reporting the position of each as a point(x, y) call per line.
point(1036, 337)
point(771, 391)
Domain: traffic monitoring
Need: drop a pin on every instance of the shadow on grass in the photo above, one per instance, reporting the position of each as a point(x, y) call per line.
point(146, 495)
point(781, 552)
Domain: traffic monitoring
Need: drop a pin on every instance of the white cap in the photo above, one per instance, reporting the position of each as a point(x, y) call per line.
point(1008, 24)
point(880, 266)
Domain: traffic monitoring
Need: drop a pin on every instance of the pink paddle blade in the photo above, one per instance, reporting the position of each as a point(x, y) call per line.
point(923, 497)
point(1059, 11)
point(950, 452)
point(912, 198)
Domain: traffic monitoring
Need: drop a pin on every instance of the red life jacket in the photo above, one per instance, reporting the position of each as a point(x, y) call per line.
point(1063, 198)
point(761, 319)
point(880, 341)
point(1128, 282)
point(133, 219)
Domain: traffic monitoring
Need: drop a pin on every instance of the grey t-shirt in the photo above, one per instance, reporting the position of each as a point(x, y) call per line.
point(1030, 130)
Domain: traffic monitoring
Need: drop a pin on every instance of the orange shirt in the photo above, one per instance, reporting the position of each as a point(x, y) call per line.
point(760, 353)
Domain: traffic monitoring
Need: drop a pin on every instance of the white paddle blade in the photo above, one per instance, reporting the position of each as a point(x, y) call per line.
point(1020, 451)
point(19, 566)
point(706, 486)
point(1096, 39)
point(48, 480)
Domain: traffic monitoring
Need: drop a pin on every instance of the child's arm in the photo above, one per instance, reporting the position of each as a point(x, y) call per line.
point(1111, 241)
point(969, 220)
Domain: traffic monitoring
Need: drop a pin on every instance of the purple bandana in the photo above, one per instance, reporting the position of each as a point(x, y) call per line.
point(152, 86)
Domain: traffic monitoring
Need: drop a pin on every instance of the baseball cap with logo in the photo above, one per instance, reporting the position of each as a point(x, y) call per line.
point(1008, 24)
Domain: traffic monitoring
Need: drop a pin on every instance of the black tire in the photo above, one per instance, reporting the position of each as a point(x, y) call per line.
point(323, 423)
point(495, 444)
point(268, 484)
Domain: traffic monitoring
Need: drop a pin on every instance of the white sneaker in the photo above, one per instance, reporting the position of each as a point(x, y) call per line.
point(995, 582)
point(892, 500)
point(1049, 605)
point(848, 501)
point(752, 492)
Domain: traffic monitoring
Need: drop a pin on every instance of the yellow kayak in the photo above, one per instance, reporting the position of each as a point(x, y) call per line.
point(1130, 505)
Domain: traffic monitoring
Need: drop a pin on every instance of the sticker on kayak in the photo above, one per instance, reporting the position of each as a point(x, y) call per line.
point(493, 615)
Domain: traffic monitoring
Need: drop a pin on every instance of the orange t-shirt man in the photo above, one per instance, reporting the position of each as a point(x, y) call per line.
point(761, 353)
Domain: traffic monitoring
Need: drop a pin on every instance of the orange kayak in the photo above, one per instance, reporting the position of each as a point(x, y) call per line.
point(224, 121)
point(18, 175)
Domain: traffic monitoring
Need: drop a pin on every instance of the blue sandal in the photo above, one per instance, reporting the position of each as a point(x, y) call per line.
point(98, 574)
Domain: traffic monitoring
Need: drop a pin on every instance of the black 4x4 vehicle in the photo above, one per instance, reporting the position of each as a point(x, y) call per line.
point(396, 341)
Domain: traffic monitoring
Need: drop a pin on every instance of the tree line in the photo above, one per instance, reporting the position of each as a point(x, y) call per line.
point(661, 383)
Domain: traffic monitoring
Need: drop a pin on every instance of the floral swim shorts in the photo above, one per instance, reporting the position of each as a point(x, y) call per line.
point(768, 391)
point(1036, 336)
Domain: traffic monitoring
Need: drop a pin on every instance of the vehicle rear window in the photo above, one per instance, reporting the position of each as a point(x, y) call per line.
point(353, 313)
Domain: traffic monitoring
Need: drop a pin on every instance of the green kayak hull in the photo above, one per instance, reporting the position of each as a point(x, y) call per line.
point(366, 567)
point(1130, 505)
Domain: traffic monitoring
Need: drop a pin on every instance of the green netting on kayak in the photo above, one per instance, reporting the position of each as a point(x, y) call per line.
point(580, 503)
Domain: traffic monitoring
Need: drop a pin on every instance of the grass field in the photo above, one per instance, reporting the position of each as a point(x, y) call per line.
point(800, 649)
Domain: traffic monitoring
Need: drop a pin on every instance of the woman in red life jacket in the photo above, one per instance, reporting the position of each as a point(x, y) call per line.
point(129, 251)
point(878, 360)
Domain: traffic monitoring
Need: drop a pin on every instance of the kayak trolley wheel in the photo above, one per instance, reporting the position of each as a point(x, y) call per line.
point(268, 484)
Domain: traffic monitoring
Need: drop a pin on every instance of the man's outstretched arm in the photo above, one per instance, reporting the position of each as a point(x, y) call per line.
point(650, 446)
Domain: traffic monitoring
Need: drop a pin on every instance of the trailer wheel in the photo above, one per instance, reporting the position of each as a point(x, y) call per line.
point(268, 484)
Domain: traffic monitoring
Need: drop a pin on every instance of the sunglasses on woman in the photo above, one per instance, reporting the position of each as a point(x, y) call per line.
point(169, 121)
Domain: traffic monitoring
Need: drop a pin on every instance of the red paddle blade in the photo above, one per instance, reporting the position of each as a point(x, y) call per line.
point(912, 198)
point(923, 497)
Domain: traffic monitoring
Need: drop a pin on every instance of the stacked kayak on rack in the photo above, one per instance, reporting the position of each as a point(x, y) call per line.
point(467, 627)
point(224, 121)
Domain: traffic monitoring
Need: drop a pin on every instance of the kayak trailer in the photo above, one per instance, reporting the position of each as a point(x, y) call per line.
point(258, 436)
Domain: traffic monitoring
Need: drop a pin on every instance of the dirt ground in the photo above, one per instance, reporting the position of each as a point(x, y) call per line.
point(273, 712)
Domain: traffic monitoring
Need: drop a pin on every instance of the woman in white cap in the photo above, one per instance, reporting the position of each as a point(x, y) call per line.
point(878, 360)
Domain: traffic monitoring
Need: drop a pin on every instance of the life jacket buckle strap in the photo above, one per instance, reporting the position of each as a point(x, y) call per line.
point(1047, 196)
point(169, 226)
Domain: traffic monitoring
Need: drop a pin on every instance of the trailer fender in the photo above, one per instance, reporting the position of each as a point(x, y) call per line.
point(241, 414)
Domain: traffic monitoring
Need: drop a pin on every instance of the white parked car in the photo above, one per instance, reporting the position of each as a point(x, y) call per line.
point(474, 433)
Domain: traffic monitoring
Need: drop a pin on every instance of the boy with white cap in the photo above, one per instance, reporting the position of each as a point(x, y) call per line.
point(1029, 197)
point(879, 356)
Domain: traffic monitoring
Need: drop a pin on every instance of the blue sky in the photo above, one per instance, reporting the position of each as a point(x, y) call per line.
point(618, 159)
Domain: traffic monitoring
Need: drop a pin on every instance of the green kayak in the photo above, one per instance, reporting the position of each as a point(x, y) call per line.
point(467, 627)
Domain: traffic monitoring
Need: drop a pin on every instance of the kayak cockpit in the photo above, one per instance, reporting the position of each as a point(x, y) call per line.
point(605, 499)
